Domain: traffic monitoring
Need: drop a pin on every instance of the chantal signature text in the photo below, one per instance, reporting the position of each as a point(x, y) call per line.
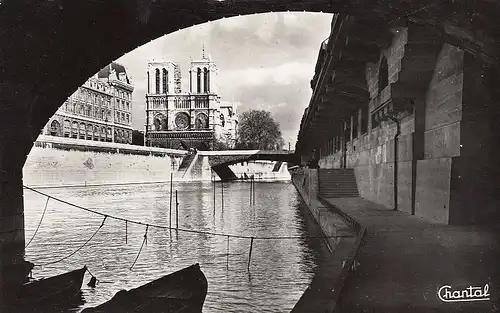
point(446, 294)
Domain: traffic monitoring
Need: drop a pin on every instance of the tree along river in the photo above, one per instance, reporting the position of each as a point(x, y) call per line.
point(280, 269)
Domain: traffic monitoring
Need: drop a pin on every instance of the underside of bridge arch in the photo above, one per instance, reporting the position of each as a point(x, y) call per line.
point(231, 159)
point(48, 48)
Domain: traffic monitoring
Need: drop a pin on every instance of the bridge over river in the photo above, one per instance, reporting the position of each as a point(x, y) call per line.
point(203, 164)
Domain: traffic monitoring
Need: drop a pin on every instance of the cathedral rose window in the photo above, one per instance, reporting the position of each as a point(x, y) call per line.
point(182, 120)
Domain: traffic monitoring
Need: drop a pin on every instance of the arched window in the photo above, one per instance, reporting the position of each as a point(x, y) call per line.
point(198, 80)
point(165, 81)
point(90, 130)
point(160, 122)
point(67, 126)
point(383, 75)
point(164, 124)
point(205, 80)
point(157, 72)
point(208, 81)
point(201, 121)
point(55, 128)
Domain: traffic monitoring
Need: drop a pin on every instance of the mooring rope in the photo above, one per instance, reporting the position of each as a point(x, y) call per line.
point(144, 241)
point(39, 223)
point(79, 248)
point(183, 229)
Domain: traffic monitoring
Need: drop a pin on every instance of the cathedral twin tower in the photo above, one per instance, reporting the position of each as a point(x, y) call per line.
point(177, 119)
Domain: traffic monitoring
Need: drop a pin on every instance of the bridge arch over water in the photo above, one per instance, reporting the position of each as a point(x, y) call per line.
point(49, 48)
point(219, 161)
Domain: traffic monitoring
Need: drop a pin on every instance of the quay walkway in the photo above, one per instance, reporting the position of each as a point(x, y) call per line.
point(404, 260)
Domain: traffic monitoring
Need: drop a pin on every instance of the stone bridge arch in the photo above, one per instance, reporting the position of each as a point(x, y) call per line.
point(49, 48)
point(226, 160)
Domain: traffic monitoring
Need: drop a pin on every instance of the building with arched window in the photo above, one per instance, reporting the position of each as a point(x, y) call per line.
point(102, 104)
point(177, 119)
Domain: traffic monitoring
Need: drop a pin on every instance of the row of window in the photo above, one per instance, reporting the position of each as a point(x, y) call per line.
point(104, 87)
point(123, 118)
point(162, 79)
point(206, 80)
point(89, 131)
point(91, 97)
point(178, 103)
point(101, 113)
point(88, 96)
point(123, 105)
point(123, 94)
point(96, 112)
point(98, 86)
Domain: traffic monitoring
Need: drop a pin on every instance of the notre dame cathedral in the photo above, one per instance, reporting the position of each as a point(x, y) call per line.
point(183, 120)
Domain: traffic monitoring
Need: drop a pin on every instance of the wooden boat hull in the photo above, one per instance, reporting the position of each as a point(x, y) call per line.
point(53, 290)
point(183, 291)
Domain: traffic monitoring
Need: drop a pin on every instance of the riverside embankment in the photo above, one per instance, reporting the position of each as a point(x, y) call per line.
point(57, 162)
point(323, 294)
point(398, 262)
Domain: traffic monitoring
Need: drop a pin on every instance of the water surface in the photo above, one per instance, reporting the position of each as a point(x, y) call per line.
point(280, 270)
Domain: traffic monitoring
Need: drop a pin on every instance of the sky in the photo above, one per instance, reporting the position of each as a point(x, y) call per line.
point(265, 61)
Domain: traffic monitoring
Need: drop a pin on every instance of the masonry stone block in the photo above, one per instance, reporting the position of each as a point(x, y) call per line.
point(442, 142)
point(404, 186)
point(445, 88)
point(432, 198)
point(440, 129)
point(405, 147)
point(450, 62)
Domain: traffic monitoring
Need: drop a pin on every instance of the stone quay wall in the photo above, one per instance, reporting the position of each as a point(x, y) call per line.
point(79, 166)
point(448, 147)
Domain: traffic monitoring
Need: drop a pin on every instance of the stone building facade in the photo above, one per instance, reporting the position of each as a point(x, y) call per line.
point(100, 110)
point(422, 134)
point(176, 119)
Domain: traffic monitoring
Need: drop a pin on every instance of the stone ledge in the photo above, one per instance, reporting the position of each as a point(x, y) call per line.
point(343, 251)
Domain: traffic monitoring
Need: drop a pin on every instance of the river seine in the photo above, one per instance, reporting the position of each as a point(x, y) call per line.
point(280, 269)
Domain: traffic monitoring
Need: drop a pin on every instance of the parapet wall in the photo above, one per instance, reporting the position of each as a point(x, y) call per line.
point(332, 222)
point(56, 167)
point(306, 183)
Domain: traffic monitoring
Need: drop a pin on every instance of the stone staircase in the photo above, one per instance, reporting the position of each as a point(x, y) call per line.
point(186, 162)
point(277, 166)
point(337, 183)
point(225, 173)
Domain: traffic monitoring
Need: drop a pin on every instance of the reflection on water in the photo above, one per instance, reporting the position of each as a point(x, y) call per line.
point(280, 270)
